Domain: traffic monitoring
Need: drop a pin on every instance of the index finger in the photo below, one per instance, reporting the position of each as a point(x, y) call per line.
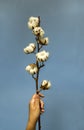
point(41, 95)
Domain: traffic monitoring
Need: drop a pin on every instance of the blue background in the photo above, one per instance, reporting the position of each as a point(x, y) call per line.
point(63, 21)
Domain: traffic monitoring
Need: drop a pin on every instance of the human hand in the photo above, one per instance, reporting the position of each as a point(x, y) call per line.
point(36, 107)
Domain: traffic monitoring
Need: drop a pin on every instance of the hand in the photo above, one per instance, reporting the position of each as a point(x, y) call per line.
point(36, 107)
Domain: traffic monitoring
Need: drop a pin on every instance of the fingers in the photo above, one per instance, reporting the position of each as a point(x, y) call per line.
point(37, 100)
point(42, 106)
point(41, 95)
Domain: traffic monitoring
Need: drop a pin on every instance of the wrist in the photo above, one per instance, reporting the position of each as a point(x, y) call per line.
point(32, 120)
point(31, 125)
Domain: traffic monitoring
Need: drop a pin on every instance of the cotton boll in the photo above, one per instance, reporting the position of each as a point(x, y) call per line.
point(45, 85)
point(44, 41)
point(38, 31)
point(44, 82)
point(42, 56)
point(33, 22)
point(30, 48)
point(32, 25)
point(32, 69)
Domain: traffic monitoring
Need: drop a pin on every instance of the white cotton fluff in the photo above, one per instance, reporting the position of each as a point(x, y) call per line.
point(44, 41)
point(30, 48)
point(45, 85)
point(42, 56)
point(38, 31)
point(33, 22)
point(32, 69)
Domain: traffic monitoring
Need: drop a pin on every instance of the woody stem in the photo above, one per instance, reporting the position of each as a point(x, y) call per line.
point(37, 76)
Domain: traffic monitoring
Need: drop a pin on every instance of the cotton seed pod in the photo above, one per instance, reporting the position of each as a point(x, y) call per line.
point(30, 48)
point(44, 41)
point(32, 69)
point(38, 31)
point(42, 56)
point(33, 22)
point(45, 85)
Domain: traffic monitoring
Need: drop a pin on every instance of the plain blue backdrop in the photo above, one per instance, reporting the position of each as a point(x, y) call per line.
point(63, 21)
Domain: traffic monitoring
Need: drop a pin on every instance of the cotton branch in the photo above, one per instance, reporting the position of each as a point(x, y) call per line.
point(41, 56)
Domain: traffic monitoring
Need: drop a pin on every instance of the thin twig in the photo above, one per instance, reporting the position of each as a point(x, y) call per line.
point(40, 47)
point(33, 77)
point(41, 66)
